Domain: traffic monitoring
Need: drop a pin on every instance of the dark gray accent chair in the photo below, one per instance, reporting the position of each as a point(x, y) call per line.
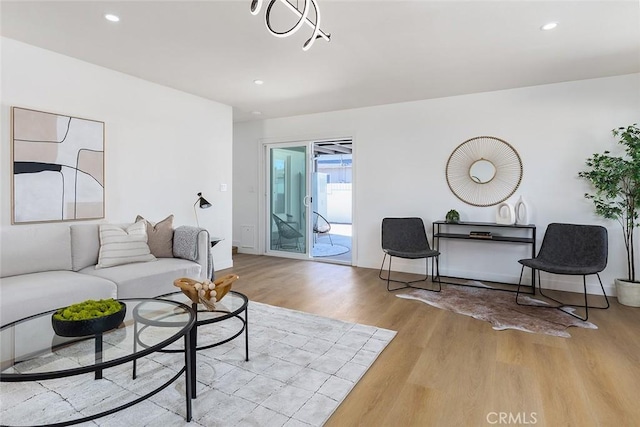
point(570, 249)
point(407, 238)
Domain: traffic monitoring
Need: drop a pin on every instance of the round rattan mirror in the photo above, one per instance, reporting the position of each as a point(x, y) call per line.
point(484, 171)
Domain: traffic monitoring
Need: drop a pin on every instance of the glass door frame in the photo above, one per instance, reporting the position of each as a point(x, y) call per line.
point(306, 202)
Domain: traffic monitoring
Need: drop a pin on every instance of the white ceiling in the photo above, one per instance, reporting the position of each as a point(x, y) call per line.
point(380, 52)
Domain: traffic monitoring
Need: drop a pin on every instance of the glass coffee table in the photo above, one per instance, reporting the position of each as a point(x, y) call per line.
point(71, 369)
point(228, 319)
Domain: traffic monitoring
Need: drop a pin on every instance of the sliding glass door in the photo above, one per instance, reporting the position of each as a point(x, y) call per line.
point(288, 199)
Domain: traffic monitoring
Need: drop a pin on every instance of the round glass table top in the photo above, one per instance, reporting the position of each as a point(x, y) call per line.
point(230, 306)
point(32, 350)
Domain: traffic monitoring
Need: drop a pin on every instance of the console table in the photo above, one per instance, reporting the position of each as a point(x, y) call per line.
point(455, 230)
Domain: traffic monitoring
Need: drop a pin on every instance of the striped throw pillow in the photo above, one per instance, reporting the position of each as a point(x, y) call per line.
point(120, 245)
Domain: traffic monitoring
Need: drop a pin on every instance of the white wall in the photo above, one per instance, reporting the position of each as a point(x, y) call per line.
point(340, 203)
point(162, 146)
point(401, 150)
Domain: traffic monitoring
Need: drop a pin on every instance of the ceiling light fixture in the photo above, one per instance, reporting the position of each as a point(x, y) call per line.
point(256, 5)
point(111, 17)
point(258, 81)
point(549, 26)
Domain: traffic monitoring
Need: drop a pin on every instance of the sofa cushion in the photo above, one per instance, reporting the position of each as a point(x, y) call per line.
point(123, 245)
point(34, 293)
point(159, 236)
point(85, 245)
point(33, 248)
point(146, 280)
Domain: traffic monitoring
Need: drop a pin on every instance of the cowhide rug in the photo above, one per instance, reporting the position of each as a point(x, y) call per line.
point(500, 309)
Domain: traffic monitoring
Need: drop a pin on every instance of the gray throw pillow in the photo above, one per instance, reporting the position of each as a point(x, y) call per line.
point(160, 236)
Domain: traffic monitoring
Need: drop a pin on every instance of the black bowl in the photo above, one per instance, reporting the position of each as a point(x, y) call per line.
point(81, 328)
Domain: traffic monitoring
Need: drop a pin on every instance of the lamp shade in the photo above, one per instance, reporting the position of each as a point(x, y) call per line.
point(203, 203)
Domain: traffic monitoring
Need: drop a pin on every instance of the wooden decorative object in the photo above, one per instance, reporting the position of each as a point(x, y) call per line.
point(206, 293)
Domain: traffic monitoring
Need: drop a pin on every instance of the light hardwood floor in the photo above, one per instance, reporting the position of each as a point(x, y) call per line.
point(445, 369)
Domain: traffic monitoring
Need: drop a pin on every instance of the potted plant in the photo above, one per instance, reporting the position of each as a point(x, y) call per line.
point(452, 216)
point(616, 181)
point(89, 317)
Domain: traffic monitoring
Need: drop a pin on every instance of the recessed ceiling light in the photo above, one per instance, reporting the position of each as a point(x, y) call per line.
point(111, 17)
point(256, 113)
point(549, 26)
point(258, 82)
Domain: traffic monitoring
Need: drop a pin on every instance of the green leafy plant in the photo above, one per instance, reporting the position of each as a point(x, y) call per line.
point(452, 216)
point(616, 181)
point(89, 309)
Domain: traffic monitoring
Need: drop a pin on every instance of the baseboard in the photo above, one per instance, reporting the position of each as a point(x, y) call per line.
point(549, 281)
point(248, 251)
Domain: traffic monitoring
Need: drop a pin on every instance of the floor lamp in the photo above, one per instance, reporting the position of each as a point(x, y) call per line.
point(202, 204)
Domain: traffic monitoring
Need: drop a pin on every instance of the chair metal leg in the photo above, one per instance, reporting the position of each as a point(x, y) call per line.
point(586, 306)
point(437, 258)
point(409, 284)
point(520, 283)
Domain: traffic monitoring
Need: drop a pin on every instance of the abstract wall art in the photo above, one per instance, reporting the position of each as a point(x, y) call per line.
point(58, 167)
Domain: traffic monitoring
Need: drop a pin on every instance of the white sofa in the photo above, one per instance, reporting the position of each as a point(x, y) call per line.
point(47, 266)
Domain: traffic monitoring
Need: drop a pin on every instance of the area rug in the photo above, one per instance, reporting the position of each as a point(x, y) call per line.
point(301, 367)
point(500, 309)
point(325, 249)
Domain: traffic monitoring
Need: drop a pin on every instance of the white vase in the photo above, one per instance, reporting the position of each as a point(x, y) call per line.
point(628, 293)
point(506, 214)
point(522, 212)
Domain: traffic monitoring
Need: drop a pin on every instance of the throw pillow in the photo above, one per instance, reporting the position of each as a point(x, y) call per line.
point(123, 245)
point(160, 236)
